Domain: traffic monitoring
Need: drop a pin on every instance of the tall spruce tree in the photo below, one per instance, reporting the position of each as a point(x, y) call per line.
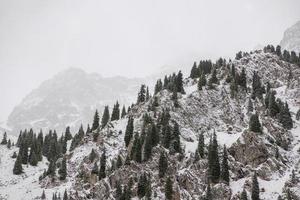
point(115, 115)
point(129, 131)
point(63, 169)
point(208, 195)
point(18, 169)
point(105, 117)
point(179, 82)
point(225, 167)
point(285, 117)
point(162, 165)
point(4, 139)
point(95, 121)
point(148, 146)
point(202, 81)
point(213, 160)
point(255, 188)
point(175, 139)
point(169, 189)
point(142, 94)
point(68, 134)
point(200, 147)
point(256, 87)
point(123, 112)
point(254, 124)
point(102, 171)
point(244, 195)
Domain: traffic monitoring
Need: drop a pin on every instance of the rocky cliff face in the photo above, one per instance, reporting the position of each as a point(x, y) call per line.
point(291, 38)
point(272, 154)
point(69, 99)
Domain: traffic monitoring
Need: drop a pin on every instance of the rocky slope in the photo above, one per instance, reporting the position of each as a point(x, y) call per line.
point(70, 98)
point(272, 154)
point(291, 38)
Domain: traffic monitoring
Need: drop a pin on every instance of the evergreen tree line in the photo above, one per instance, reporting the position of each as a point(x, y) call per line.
point(56, 196)
point(6, 142)
point(171, 83)
point(287, 56)
point(204, 67)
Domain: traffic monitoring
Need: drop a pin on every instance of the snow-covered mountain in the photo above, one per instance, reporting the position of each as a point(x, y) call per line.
point(291, 38)
point(69, 99)
point(272, 154)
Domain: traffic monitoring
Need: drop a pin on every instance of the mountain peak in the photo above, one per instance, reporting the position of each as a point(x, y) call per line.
point(291, 38)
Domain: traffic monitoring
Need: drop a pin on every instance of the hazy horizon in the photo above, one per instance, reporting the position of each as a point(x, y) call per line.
point(132, 38)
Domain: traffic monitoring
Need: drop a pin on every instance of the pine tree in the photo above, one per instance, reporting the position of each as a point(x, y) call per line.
point(129, 131)
point(278, 50)
point(213, 160)
point(68, 134)
point(33, 157)
point(115, 115)
point(285, 117)
point(92, 155)
point(169, 189)
point(102, 173)
point(142, 185)
point(254, 124)
point(179, 83)
point(147, 94)
point(18, 169)
point(194, 71)
point(214, 79)
point(51, 168)
point(9, 144)
point(225, 167)
point(244, 195)
point(123, 112)
point(255, 188)
point(202, 81)
point(256, 87)
point(4, 140)
point(167, 136)
point(162, 165)
point(175, 140)
point(118, 191)
point(175, 97)
point(63, 169)
point(243, 79)
point(272, 105)
point(95, 121)
point(298, 115)
point(142, 94)
point(201, 145)
point(43, 195)
point(208, 195)
point(158, 86)
point(105, 117)
point(14, 155)
point(65, 195)
point(138, 151)
point(64, 144)
point(119, 161)
point(154, 135)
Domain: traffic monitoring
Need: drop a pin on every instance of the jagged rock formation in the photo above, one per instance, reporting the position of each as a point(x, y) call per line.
point(291, 38)
point(272, 153)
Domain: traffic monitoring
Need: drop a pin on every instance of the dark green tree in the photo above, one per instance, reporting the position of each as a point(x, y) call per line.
point(162, 165)
point(175, 140)
point(92, 155)
point(202, 81)
point(195, 71)
point(142, 94)
point(255, 188)
point(285, 117)
point(225, 167)
point(123, 112)
point(18, 169)
point(115, 115)
point(129, 131)
point(179, 83)
point(208, 195)
point(213, 159)
point(148, 146)
point(68, 134)
point(65, 195)
point(43, 195)
point(244, 195)
point(257, 87)
point(105, 117)
point(169, 189)
point(254, 124)
point(33, 157)
point(63, 169)
point(200, 148)
point(95, 121)
point(4, 139)
point(102, 173)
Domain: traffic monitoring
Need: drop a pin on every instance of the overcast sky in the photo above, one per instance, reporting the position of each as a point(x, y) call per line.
point(39, 38)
